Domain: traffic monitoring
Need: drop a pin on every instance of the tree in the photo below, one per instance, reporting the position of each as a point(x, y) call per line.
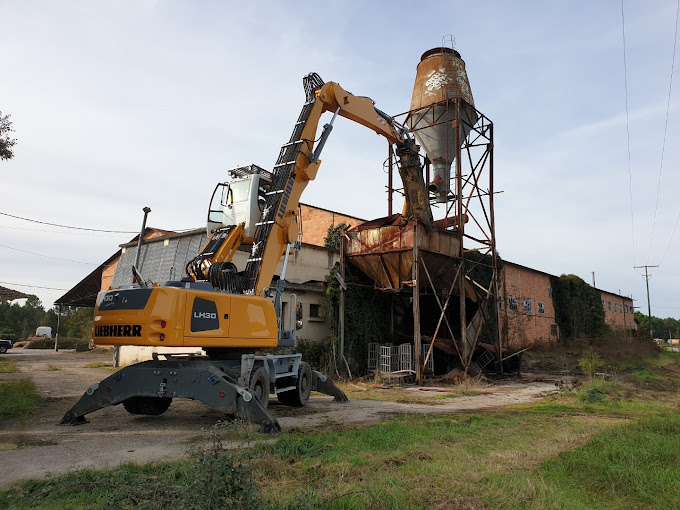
point(661, 328)
point(6, 143)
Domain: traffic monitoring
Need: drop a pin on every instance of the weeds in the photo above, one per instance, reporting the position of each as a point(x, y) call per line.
point(17, 398)
point(8, 366)
point(590, 362)
point(101, 364)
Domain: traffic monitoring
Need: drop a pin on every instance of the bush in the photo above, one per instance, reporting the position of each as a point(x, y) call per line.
point(590, 362)
point(319, 355)
point(65, 342)
point(9, 336)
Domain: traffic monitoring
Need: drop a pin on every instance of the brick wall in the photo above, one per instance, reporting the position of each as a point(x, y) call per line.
point(618, 311)
point(527, 306)
point(315, 223)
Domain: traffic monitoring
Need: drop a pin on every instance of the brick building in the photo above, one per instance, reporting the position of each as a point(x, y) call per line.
point(618, 310)
point(528, 311)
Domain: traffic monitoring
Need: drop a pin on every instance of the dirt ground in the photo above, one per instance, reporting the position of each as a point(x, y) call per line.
point(35, 446)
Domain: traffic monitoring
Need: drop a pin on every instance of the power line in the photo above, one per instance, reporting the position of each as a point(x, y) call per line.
point(677, 220)
point(68, 226)
point(630, 175)
point(665, 129)
point(111, 236)
point(47, 256)
point(32, 286)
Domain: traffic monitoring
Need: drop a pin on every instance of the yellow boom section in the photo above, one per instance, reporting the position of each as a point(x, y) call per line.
point(284, 229)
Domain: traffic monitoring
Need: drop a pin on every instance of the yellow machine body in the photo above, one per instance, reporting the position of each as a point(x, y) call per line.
point(181, 317)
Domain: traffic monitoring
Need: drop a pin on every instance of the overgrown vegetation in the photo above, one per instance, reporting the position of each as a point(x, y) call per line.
point(333, 235)
point(17, 398)
point(578, 307)
point(367, 314)
point(65, 342)
point(24, 320)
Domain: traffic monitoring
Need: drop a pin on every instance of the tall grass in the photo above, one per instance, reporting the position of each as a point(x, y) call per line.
point(17, 398)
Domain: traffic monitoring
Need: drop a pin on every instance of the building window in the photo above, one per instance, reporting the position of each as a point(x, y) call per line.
point(541, 307)
point(553, 329)
point(603, 304)
point(512, 303)
point(625, 307)
point(500, 303)
point(609, 305)
point(550, 292)
point(315, 311)
point(527, 306)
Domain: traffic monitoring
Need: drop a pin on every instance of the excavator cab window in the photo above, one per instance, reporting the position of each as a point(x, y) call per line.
point(219, 199)
point(238, 192)
point(262, 197)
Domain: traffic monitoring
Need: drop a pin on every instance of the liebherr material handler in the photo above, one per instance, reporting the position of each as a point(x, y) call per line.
point(233, 313)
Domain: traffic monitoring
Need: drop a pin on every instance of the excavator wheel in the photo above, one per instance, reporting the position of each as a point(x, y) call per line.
point(259, 386)
point(303, 387)
point(150, 406)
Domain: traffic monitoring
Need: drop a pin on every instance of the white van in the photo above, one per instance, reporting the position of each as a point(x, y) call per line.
point(45, 331)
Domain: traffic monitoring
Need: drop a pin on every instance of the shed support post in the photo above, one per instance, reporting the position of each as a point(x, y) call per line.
point(56, 337)
point(417, 343)
point(341, 311)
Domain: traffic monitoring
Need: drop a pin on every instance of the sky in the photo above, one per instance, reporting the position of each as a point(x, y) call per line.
point(121, 105)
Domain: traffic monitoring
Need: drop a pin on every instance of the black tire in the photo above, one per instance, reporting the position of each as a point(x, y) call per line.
point(303, 387)
point(259, 386)
point(150, 406)
point(3, 349)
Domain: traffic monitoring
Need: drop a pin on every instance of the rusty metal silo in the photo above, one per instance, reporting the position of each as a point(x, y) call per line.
point(440, 79)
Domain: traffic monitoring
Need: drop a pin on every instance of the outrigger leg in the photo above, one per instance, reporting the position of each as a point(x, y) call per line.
point(149, 386)
point(323, 384)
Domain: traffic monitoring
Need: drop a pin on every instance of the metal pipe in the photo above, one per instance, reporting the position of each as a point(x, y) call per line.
point(146, 210)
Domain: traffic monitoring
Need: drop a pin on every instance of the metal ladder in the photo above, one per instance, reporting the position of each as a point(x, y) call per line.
point(282, 172)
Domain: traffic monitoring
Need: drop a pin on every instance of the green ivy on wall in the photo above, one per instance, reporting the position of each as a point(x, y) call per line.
point(578, 307)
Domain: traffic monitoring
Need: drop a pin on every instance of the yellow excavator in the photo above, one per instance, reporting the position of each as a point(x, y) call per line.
point(229, 312)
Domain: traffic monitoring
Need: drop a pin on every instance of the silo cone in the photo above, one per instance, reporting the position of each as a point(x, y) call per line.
point(440, 77)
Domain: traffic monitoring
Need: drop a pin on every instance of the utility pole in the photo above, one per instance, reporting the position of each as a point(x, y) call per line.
point(649, 306)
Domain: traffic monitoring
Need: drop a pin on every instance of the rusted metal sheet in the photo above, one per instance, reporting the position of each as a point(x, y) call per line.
point(440, 75)
point(384, 251)
point(435, 120)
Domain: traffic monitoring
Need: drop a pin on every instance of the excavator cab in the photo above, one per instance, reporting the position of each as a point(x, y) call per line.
point(240, 200)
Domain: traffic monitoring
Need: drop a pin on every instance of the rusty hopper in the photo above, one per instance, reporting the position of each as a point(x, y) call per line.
point(384, 250)
point(440, 78)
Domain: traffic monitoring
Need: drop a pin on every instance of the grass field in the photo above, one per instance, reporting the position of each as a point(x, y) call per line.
point(17, 398)
point(7, 366)
point(602, 444)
